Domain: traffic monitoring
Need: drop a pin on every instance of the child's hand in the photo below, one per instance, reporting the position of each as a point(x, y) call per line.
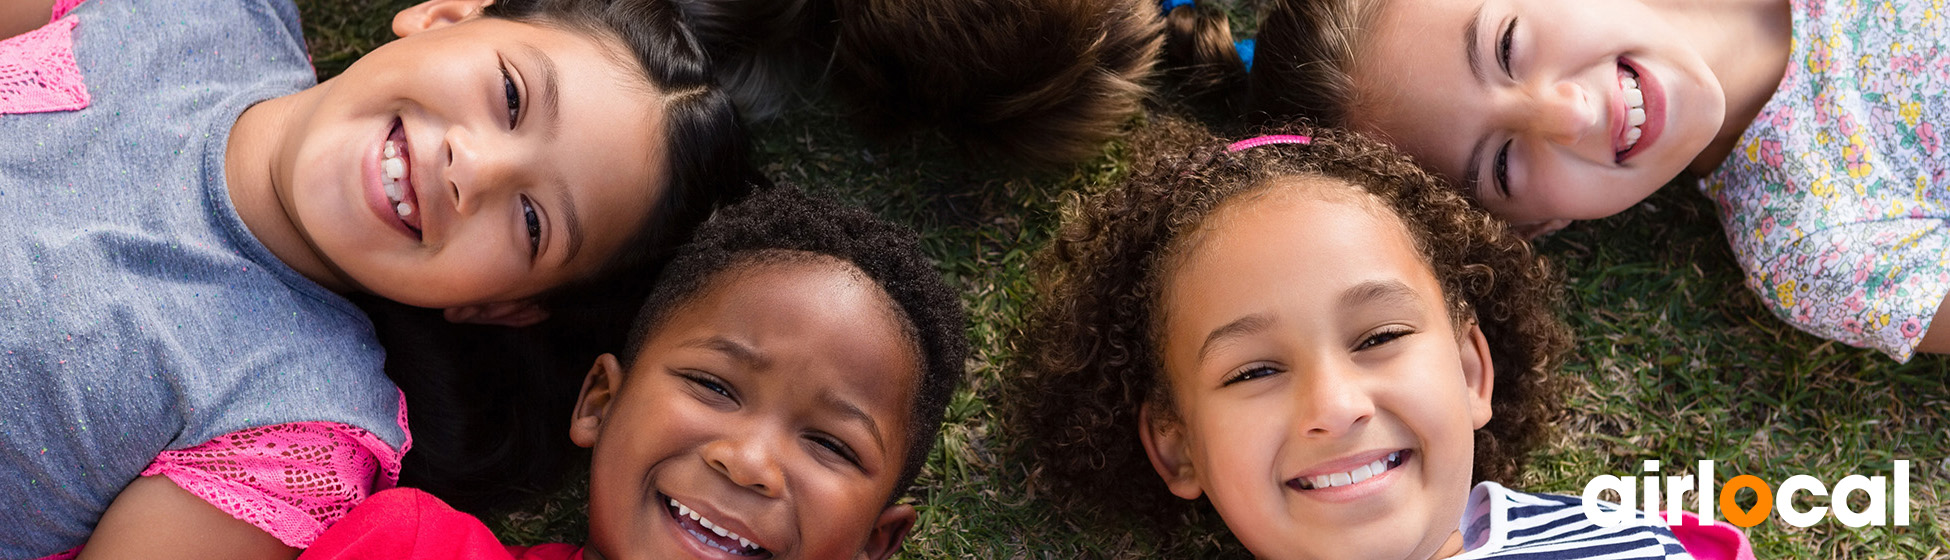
point(1534, 230)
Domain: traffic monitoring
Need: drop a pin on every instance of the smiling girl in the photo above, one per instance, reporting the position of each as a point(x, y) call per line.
point(189, 213)
point(1315, 336)
point(1815, 125)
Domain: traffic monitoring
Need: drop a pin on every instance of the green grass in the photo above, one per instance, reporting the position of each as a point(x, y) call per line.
point(1676, 360)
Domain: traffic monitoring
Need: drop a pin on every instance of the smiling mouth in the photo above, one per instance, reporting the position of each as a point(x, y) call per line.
point(1358, 475)
point(393, 164)
point(710, 534)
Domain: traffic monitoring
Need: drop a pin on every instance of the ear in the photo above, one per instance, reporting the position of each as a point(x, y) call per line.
point(1534, 230)
point(435, 14)
point(518, 313)
point(1164, 443)
point(1479, 372)
point(599, 390)
point(888, 532)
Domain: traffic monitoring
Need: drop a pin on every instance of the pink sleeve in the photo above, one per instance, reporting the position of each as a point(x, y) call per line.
point(38, 73)
point(291, 480)
point(61, 8)
point(1721, 541)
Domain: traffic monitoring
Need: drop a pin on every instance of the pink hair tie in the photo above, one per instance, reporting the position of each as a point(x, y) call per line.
point(1269, 139)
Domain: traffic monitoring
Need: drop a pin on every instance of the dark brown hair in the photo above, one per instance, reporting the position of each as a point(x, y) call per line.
point(1303, 62)
point(1037, 81)
point(1090, 355)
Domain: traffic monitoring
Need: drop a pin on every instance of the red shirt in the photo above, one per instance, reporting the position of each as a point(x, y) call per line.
point(407, 524)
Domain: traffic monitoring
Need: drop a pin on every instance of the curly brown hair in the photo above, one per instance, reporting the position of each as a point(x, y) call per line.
point(1091, 357)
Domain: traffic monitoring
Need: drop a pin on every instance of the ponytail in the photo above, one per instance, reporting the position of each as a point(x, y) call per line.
point(1202, 63)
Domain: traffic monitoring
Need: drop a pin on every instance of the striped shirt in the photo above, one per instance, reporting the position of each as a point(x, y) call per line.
point(1506, 524)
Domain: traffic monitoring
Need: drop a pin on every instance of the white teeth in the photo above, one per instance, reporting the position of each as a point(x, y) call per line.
point(393, 167)
point(405, 209)
point(1355, 476)
point(393, 190)
point(712, 527)
point(392, 149)
point(1634, 107)
point(1360, 473)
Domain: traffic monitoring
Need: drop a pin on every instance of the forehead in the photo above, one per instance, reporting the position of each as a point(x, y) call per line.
point(818, 322)
point(1413, 84)
point(1297, 245)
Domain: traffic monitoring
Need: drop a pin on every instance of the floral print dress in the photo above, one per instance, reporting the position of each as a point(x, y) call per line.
point(1836, 199)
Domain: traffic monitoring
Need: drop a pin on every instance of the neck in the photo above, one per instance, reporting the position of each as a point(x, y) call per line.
point(251, 164)
point(1746, 44)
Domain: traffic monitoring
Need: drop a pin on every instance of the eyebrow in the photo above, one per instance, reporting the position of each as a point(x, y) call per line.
point(1242, 326)
point(1381, 292)
point(572, 222)
point(1473, 165)
point(848, 410)
point(736, 350)
point(549, 92)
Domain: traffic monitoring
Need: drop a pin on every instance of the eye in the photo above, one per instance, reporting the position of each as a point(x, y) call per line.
point(513, 96)
point(834, 446)
point(1503, 47)
point(1248, 374)
point(1383, 337)
point(1501, 169)
point(534, 223)
point(709, 383)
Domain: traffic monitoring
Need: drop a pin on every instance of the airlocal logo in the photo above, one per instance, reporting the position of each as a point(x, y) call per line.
point(1767, 499)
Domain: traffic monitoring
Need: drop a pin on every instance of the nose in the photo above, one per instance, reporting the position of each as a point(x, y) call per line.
point(748, 461)
point(1561, 112)
point(1332, 401)
point(480, 165)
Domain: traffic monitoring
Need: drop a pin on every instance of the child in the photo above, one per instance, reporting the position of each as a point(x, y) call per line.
point(1040, 81)
point(781, 389)
point(1307, 330)
point(1816, 124)
point(188, 213)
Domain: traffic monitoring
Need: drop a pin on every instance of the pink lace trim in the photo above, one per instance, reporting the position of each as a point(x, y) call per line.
point(38, 72)
point(291, 480)
point(62, 7)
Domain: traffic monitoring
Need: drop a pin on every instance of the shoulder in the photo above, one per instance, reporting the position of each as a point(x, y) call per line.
point(1501, 521)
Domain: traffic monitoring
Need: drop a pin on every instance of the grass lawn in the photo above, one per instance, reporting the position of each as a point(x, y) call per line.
point(1676, 360)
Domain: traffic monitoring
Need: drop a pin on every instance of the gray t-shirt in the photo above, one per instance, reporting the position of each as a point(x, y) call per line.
point(137, 313)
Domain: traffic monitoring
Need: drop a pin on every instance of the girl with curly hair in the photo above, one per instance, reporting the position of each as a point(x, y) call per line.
point(1316, 337)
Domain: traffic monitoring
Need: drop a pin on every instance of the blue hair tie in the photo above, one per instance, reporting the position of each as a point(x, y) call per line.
point(1171, 4)
point(1245, 49)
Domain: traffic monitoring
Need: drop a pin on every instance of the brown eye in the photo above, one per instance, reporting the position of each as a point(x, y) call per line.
point(512, 95)
point(534, 223)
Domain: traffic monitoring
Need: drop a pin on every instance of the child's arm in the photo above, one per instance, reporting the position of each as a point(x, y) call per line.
point(21, 16)
point(1937, 339)
point(155, 518)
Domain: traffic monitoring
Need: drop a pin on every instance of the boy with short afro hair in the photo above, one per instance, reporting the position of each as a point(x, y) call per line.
point(779, 395)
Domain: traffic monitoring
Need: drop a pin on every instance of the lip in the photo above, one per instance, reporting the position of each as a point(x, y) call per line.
point(1655, 111)
point(375, 190)
point(1353, 492)
point(700, 550)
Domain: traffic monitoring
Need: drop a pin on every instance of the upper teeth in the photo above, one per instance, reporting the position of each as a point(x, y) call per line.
point(707, 524)
point(392, 169)
point(1634, 106)
point(1359, 474)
